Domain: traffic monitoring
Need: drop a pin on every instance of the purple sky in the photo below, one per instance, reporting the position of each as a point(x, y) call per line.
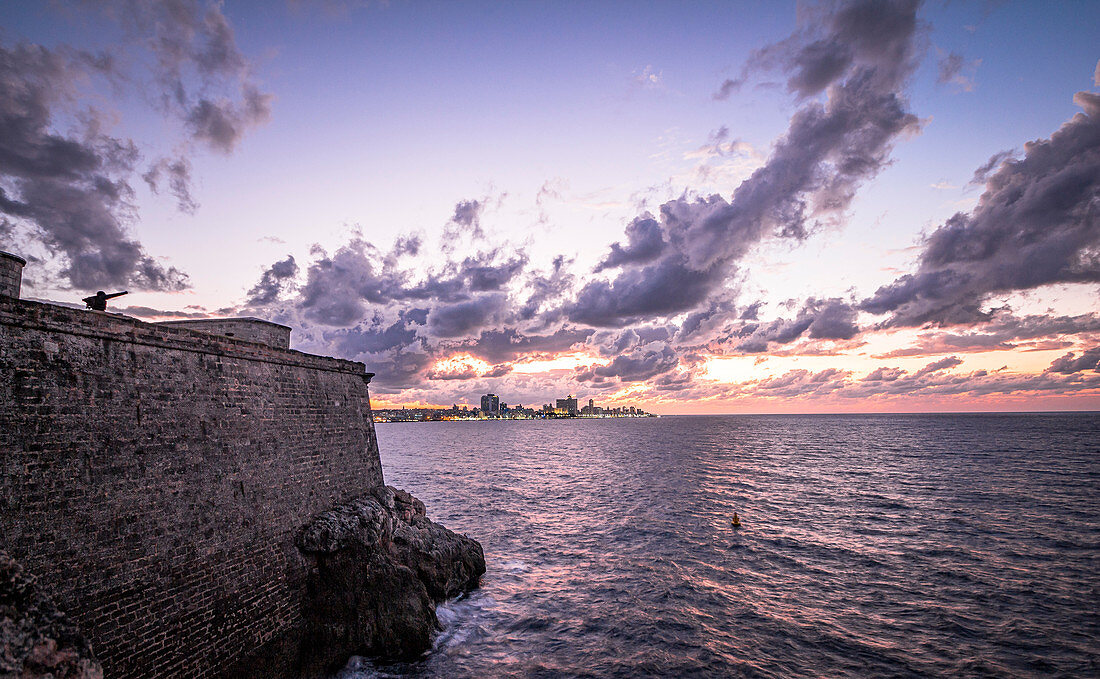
point(692, 207)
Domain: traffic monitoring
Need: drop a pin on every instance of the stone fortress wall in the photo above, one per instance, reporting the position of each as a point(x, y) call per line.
point(154, 477)
point(248, 329)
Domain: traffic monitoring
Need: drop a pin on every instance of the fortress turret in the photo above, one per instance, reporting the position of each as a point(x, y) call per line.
point(11, 274)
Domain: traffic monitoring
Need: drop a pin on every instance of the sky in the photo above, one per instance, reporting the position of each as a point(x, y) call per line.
point(690, 207)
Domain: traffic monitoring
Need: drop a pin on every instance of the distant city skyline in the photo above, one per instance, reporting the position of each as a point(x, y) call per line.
point(781, 207)
point(493, 408)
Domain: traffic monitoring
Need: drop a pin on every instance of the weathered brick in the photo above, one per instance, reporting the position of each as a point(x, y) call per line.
point(153, 478)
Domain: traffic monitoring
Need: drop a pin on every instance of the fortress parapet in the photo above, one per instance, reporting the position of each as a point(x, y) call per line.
point(245, 328)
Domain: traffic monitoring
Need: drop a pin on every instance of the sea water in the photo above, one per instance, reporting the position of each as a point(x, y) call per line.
point(870, 545)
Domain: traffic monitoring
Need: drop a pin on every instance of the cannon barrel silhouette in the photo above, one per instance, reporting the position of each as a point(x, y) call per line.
point(98, 301)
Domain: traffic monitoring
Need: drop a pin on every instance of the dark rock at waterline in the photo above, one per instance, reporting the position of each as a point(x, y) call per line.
point(36, 639)
point(377, 568)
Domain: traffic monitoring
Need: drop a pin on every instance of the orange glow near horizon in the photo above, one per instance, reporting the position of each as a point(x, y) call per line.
point(462, 363)
point(740, 383)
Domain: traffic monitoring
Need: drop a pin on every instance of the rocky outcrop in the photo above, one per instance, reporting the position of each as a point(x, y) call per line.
point(377, 568)
point(37, 641)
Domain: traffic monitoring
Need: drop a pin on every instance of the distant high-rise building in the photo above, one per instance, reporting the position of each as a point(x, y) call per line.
point(568, 404)
point(490, 404)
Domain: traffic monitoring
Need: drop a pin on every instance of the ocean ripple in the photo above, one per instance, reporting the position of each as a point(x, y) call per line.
point(887, 546)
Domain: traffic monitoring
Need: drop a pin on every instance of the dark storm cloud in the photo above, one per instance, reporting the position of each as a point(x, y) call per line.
point(1004, 332)
point(613, 343)
point(339, 287)
point(1037, 223)
point(464, 318)
point(71, 192)
point(374, 338)
point(508, 344)
point(862, 59)
point(644, 244)
point(751, 312)
point(481, 275)
point(399, 369)
point(981, 175)
point(356, 303)
point(546, 288)
point(273, 282)
point(664, 288)
point(455, 282)
point(942, 364)
point(708, 321)
point(1071, 363)
point(404, 246)
point(640, 364)
point(221, 123)
point(858, 33)
point(827, 319)
point(673, 382)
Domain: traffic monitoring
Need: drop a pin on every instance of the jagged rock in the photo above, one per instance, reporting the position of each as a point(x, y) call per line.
point(377, 568)
point(37, 641)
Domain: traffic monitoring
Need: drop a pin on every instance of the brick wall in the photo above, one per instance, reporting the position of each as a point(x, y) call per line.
point(249, 329)
point(153, 479)
point(11, 274)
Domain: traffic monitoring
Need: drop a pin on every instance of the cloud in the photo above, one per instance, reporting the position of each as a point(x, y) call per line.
point(727, 88)
point(828, 319)
point(981, 175)
point(221, 124)
point(954, 69)
point(70, 192)
point(664, 298)
point(638, 365)
point(942, 364)
point(644, 244)
point(647, 78)
point(201, 75)
point(861, 59)
point(1071, 363)
point(273, 281)
point(375, 337)
point(1037, 223)
point(508, 344)
point(178, 174)
point(463, 318)
point(466, 221)
point(935, 379)
point(481, 275)
point(338, 288)
point(1004, 331)
point(546, 288)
